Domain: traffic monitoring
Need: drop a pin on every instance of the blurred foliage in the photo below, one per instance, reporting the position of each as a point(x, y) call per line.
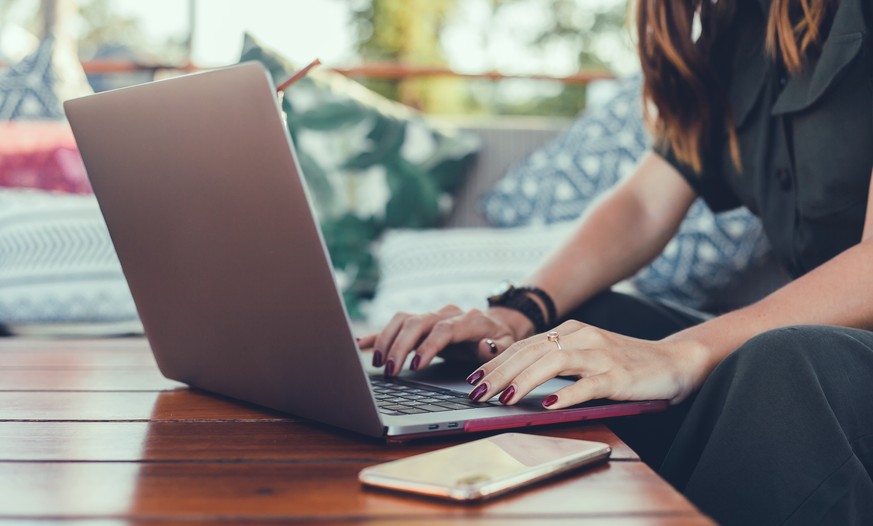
point(105, 32)
point(409, 31)
point(101, 26)
point(102, 30)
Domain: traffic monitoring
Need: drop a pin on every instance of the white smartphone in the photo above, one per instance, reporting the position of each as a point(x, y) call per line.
point(486, 467)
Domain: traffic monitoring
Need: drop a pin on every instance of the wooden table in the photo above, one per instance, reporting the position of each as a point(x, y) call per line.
point(90, 430)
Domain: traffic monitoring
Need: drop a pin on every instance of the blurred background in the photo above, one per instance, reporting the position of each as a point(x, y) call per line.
point(477, 118)
point(445, 57)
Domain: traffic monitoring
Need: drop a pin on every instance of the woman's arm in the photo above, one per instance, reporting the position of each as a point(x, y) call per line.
point(615, 366)
point(625, 230)
point(630, 227)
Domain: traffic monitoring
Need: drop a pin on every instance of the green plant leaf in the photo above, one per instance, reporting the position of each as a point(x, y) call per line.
point(387, 137)
point(329, 116)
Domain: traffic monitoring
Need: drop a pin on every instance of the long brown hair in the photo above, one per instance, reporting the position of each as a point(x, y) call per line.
point(675, 40)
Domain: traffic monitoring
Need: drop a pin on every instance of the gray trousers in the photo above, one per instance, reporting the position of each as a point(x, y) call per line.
point(780, 433)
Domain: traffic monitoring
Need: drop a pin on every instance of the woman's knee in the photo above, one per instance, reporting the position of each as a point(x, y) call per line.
point(790, 354)
point(801, 344)
point(775, 348)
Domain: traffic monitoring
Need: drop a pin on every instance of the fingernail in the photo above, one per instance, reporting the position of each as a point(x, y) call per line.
point(507, 394)
point(416, 361)
point(474, 378)
point(478, 392)
point(389, 368)
point(377, 358)
point(550, 400)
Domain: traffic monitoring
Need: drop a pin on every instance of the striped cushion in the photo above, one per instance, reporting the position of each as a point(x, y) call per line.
point(57, 264)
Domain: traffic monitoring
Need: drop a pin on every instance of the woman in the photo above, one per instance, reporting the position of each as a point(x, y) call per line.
point(761, 104)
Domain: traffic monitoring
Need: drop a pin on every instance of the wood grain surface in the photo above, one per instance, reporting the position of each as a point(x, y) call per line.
point(91, 431)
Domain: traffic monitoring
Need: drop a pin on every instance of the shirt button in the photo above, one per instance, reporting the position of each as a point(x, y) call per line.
point(783, 175)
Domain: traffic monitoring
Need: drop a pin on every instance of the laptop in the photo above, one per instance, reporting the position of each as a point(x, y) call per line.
point(198, 182)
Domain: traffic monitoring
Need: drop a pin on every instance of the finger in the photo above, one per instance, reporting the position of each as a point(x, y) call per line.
point(499, 377)
point(565, 362)
point(489, 348)
point(412, 330)
point(521, 346)
point(470, 326)
point(366, 342)
point(499, 372)
point(591, 388)
point(386, 338)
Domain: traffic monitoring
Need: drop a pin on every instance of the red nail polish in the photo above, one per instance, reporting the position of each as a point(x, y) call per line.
point(478, 392)
point(474, 378)
point(389, 368)
point(507, 394)
point(550, 400)
point(377, 358)
point(416, 361)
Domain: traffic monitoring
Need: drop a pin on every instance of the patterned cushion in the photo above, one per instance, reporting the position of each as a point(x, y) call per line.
point(425, 270)
point(59, 268)
point(370, 164)
point(708, 254)
point(36, 87)
point(559, 181)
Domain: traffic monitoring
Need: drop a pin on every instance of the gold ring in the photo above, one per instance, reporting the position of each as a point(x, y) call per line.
point(554, 337)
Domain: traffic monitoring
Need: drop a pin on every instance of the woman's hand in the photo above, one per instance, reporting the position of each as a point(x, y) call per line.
point(608, 365)
point(427, 335)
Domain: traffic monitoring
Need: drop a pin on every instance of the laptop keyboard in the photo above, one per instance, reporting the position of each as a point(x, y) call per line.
point(396, 398)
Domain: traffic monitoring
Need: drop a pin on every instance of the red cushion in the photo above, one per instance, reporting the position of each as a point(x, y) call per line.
point(42, 155)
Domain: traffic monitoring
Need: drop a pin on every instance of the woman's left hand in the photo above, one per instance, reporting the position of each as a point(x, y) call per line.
point(608, 365)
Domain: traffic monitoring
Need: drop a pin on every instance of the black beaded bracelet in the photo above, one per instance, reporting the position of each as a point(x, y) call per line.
point(551, 311)
point(518, 298)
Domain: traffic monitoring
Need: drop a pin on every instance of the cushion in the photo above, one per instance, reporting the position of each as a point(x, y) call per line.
point(41, 154)
point(425, 270)
point(561, 179)
point(59, 271)
point(369, 163)
point(36, 87)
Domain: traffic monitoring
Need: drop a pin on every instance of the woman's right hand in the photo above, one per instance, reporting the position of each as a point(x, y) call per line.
point(427, 335)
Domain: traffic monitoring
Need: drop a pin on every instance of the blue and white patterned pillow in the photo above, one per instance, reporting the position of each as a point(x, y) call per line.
point(58, 268)
point(560, 180)
point(36, 87)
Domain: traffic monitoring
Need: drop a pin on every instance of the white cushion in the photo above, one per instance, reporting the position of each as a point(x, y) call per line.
point(423, 270)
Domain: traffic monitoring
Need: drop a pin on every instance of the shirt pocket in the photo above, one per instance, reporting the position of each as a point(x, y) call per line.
point(831, 128)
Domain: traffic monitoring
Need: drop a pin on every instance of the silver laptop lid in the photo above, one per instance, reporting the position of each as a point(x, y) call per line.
point(205, 205)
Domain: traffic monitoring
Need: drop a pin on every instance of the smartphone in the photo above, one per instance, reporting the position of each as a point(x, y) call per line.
point(485, 468)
